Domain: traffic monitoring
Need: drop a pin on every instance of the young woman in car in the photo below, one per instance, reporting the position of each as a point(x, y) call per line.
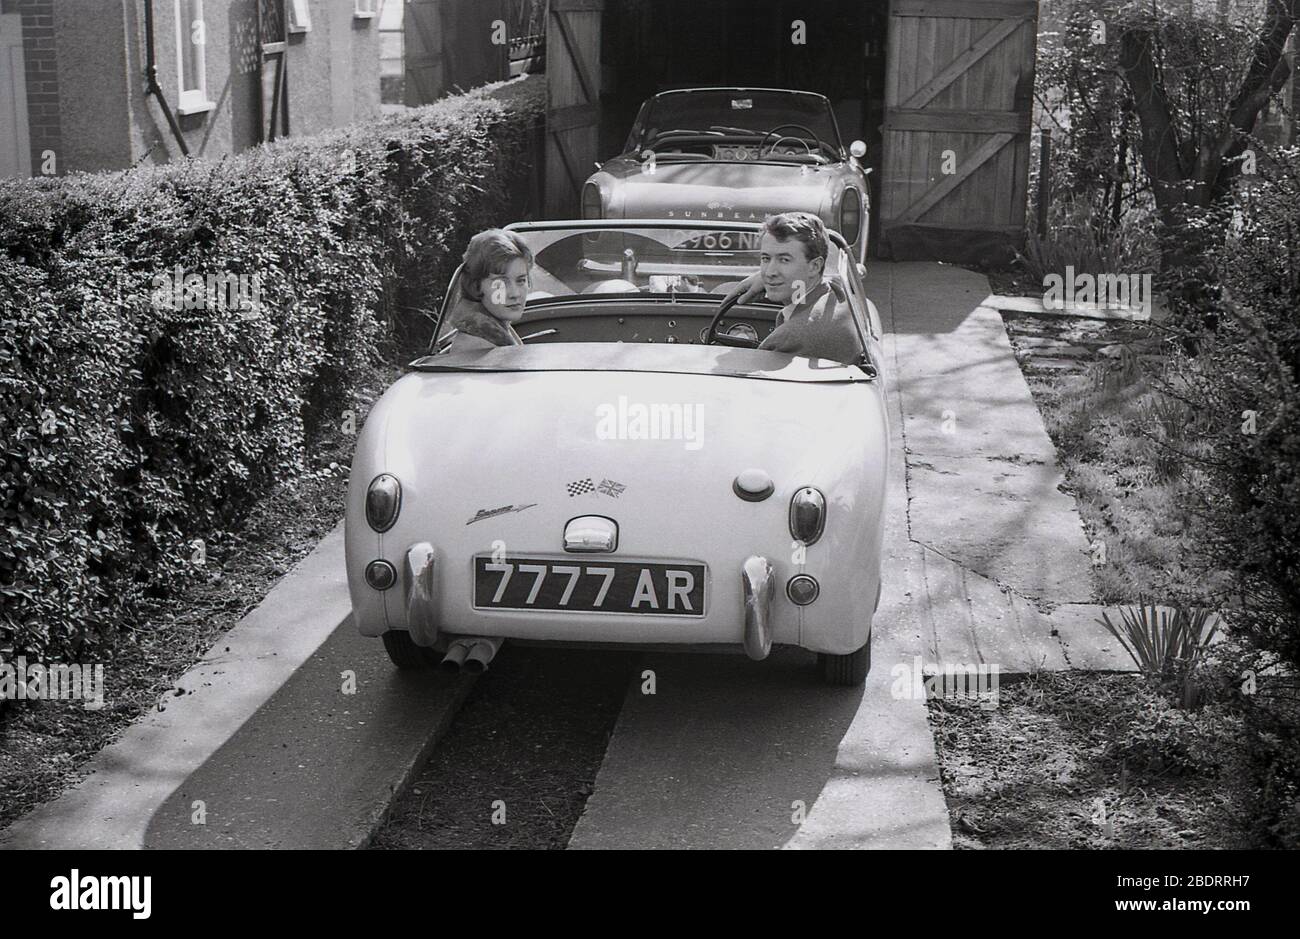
point(494, 281)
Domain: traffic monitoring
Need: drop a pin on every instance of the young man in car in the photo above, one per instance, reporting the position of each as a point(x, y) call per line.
point(816, 320)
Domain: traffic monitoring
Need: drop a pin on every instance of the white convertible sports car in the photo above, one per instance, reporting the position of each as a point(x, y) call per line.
point(637, 473)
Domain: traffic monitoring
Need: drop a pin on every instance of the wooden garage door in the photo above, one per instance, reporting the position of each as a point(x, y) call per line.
point(956, 133)
point(573, 114)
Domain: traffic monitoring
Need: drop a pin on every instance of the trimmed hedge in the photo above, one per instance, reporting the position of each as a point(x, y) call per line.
point(131, 425)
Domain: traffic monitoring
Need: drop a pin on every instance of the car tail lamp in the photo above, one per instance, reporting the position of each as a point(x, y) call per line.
point(807, 515)
point(592, 206)
point(381, 575)
point(383, 502)
point(802, 589)
point(851, 215)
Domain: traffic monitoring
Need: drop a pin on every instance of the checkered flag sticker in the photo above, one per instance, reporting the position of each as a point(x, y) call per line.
point(581, 487)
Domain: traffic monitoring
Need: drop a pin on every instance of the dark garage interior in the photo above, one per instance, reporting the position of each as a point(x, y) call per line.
point(939, 91)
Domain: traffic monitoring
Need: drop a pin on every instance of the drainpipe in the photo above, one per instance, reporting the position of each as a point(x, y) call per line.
point(151, 79)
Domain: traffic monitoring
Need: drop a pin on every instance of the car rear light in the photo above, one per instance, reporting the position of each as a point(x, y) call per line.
point(383, 502)
point(851, 215)
point(381, 575)
point(807, 515)
point(802, 589)
point(592, 206)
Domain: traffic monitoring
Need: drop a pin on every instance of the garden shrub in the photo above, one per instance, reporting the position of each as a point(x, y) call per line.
point(132, 427)
point(1242, 382)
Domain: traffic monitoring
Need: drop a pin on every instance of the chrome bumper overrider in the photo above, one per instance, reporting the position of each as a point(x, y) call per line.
point(758, 585)
point(418, 583)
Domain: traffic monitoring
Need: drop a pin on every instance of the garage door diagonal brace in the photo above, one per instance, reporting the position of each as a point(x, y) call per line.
point(973, 162)
point(566, 157)
point(960, 65)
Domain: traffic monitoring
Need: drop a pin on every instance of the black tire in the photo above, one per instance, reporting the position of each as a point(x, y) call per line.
point(403, 650)
point(846, 670)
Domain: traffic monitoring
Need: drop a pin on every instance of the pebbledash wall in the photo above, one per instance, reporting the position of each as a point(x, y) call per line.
point(85, 63)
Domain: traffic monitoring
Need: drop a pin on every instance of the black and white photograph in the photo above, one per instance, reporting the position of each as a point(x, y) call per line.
point(359, 493)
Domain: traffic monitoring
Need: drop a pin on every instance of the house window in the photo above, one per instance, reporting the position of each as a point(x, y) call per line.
point(299, 16)
point(365, 9)
point(191, 41)
point(271, 22)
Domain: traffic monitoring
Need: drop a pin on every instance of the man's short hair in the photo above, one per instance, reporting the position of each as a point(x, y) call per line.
point(490, 252)
point(803, 227)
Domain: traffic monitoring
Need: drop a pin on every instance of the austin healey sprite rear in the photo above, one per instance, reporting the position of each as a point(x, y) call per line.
point(638, 473)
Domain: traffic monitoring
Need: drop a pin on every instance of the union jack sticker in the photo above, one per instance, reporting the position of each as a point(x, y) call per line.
point(610, 488)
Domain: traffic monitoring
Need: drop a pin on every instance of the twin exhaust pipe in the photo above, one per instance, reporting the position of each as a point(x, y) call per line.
point(472, 654)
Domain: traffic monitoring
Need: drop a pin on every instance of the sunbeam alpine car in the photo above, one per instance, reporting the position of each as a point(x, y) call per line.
point(636, 473)
point(735, 154)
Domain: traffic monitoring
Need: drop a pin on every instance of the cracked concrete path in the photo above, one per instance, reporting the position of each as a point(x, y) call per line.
point(1001, 551)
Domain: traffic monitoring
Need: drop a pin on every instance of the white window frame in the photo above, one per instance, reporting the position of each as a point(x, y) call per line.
point(365, 9)
point(298, 16)
point(191, 100)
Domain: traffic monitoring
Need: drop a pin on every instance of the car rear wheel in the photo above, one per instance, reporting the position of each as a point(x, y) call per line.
point(846, 670)
point(404, 652)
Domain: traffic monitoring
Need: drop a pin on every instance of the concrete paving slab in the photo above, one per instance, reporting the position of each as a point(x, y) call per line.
point(1086, 643)
point(315, 767)
point(983, 479)
point(1073, 309)
point(977, 622)
point(721, 756)
point(1006, 521)
point(132, 777)
point(883, 791)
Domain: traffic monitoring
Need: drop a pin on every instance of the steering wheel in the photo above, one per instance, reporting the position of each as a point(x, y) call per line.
point(713, 338)
point(774, 131)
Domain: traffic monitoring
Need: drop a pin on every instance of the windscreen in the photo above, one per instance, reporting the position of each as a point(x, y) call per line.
point(643, 261)
point(739, 113)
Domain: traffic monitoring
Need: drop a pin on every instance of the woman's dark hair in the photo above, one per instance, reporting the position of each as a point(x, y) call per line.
point(490, 252)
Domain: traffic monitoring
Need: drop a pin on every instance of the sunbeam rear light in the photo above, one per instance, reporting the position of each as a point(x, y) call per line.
point(807, 515)
point(383, 502)
point(591, 201)
point(851, 215)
